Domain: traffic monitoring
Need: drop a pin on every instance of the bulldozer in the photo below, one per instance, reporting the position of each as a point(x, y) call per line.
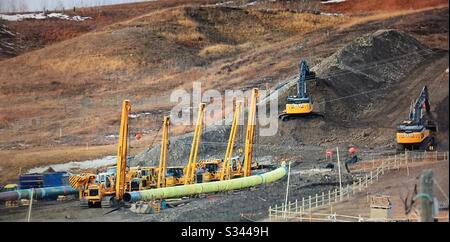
point(418, 131)
point(300, 105)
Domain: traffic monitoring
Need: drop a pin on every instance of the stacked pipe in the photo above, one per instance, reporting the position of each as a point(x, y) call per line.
point(38, 193)
point(209, 187)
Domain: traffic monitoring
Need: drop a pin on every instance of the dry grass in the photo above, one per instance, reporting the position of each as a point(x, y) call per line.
point(384, 15)
point(213, 51)
point(301, 23)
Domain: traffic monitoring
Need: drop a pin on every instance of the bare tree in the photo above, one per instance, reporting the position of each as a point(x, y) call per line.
point(12, 6)
point(59, 5)
point(44, 5)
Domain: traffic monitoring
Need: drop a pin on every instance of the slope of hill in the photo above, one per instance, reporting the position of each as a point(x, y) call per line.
point(67, 95)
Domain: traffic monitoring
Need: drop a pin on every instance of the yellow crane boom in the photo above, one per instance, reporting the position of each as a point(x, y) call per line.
point(249, 135)
point(226, 165)
point(122, 150)
point(161, 182)
point(190, 168)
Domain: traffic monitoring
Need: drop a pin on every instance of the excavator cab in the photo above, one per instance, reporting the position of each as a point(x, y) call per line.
point(210, 170)
point(301, 104)
point(174, 176)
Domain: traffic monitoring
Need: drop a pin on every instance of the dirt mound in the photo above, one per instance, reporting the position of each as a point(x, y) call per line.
point(372, 62)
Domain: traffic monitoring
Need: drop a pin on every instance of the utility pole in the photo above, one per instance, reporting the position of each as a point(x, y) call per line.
point(339, 169)
point(287, 190)
point(31, 205)
point(425, 196)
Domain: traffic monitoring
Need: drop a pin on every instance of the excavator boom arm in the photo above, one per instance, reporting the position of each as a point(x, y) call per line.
point(416, 111)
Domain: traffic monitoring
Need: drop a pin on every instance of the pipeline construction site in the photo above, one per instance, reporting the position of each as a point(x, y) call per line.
point(225, 111)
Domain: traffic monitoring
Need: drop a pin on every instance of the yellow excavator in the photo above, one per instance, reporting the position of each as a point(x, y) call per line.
point(418, 132)
point(300, 105)
point(106, 189)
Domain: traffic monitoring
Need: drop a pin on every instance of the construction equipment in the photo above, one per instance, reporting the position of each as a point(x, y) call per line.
point(122, 149)
point(418, 132)
point(174, 176)
point(209, 170)
point(250, 133)
point(300, 105)
point(238, 167)
point(140, 178)
point(179, 175)
point(189, 171)
point(227, 166)
point(161, 180)
point(106, 189)
point(218, 169)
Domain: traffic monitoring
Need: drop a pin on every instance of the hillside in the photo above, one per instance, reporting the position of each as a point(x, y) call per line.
point(63, 99)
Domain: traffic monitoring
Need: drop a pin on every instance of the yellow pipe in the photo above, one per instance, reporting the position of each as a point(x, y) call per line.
point(209, 187)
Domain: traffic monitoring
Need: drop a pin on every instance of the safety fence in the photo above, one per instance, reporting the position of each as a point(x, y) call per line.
point(366, 176)
point(334, 217)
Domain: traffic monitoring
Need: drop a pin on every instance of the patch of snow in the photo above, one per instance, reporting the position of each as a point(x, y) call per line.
point(224, 3)
point(333, 1)
point(137, 115)
point(40, 16)
point(105, 161)
point(251, 3)
point(111, 136)
point(331, 14)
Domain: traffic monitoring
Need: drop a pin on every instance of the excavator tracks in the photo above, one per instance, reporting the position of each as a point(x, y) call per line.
point(107, 202)
point(287, 117)
point(84, 203)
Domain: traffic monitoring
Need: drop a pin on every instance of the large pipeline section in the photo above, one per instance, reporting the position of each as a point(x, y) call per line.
point(39, 193)
point(209, 187)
